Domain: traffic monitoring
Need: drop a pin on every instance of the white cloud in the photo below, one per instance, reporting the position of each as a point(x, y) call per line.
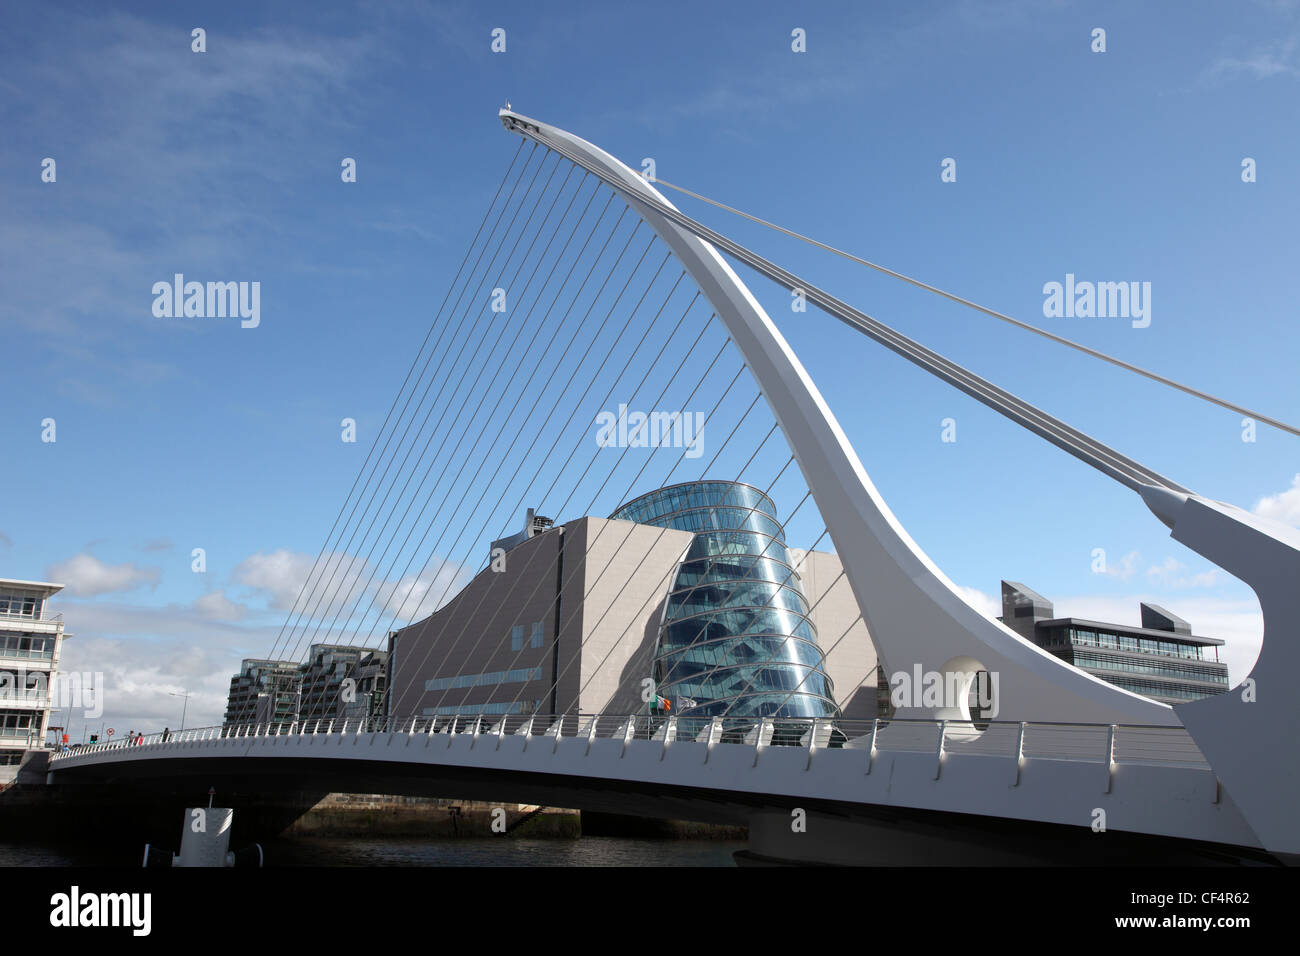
point(146, 654)
point(418, 596)
point(124, 95)
point(1124, 570)
point(986, 604)
point(346, 591)
point(217, 606)
point(1172, 574)
point(1275, 59)
point(86, 576)
point(1283, 506)
point(280, 575)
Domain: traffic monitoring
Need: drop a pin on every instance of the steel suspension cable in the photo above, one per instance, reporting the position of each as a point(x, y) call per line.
point(578, 484)
point(712, 562)
point(464, 340)
point(573, 413)
point(457, 444)
point(486, 488)
point(531, 409)
point(600, 292)
point(993, 313)
point(596, 262)
point(1119, 467)
point(406, 457)
point(375, 443)
point(659, 537)
point(524, 457)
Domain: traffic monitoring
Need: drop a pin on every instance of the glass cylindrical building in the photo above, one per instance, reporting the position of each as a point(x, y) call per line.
point(736, 639)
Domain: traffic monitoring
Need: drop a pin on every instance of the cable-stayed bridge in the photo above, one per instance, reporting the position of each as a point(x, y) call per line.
point(585, 290)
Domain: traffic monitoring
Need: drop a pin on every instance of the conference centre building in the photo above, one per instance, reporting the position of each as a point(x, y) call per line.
point(684, 601)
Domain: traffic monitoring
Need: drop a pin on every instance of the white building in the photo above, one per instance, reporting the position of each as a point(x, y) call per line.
point(31, 639)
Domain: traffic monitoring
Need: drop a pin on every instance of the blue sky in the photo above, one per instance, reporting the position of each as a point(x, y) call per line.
point(176, 434)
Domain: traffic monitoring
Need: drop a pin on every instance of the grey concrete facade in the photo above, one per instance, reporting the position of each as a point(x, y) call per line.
point(611, 578)
point(595, 584)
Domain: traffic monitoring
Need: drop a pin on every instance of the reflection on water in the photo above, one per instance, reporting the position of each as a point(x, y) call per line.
point(351, 851)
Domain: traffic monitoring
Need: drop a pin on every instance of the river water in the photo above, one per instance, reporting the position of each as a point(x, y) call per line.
point(405, 851)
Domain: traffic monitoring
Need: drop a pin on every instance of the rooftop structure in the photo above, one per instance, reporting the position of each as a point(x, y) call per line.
point(1162, 659)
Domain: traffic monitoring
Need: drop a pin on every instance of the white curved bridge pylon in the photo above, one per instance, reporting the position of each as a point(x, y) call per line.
point(914, 613)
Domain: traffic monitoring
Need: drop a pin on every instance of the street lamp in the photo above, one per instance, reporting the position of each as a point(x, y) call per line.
point(184, 706)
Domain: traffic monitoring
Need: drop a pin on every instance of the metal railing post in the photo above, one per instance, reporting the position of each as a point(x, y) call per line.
point(715, 734)
point(760, 741)
point(628, 731)
point(812, 743)
point(1020, 751)
point(1110, 758)
point(670, 734)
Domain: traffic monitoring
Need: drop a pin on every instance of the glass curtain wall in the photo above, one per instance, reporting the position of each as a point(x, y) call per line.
point(736, 639)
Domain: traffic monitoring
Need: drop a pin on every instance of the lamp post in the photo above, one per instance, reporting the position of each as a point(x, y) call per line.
point(184, 706)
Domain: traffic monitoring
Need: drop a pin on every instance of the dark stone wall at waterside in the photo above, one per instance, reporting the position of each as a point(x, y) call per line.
point(377, 815)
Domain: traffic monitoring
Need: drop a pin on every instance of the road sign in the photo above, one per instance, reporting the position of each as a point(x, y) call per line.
point(110, 731)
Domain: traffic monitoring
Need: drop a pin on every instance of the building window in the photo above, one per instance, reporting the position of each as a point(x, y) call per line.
point(517, 637)
point(535, 640)
point(26, 646)
point(19, 605)
point(519, 675)
point(473, 710)
point(17, 723)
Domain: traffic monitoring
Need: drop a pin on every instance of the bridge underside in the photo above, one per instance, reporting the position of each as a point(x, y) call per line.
point(268, 795)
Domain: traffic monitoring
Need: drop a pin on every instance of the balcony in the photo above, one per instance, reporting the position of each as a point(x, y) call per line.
point(36, 623)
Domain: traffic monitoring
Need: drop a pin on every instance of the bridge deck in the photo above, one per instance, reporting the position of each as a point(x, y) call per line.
point(1148, 780)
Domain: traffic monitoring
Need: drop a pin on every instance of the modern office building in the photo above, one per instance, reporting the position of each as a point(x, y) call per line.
point(336, 681)
point(737, 638)
point(323, 675)
point(367, 696)
point(689, 591)
point(1162, 659)
point(31, 640)
point(264, 691)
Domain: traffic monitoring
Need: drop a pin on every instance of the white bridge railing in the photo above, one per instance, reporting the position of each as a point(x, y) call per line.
point(1093, 743)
